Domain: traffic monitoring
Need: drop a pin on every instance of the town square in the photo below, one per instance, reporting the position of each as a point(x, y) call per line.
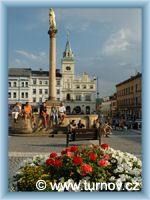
point(75, 98)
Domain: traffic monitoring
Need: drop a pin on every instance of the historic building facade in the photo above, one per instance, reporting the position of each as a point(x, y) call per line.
point(25, 84)
point(129, 97)
point(108, 106)
point(78, 93)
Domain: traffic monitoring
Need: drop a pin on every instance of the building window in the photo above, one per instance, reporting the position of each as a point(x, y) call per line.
point(131, 89)
point(136, 101)
point(68, 85)
point(78, 86)
point(77, 109)
point(14, 95)
point(68, 110)
point(68, 97)
point(78, 97)
point(34, 91)
point(9, 84)
point(26, 84)
point(46, 82)
point(87, 110)
point(15, 84)
point(136, 87)
point(26, 95)
point(22, 95)
point(40, 100)
point(34, 81)
point(40, 82)
point(58, 91)
point(87, 98)
point(40, 91)
point(22, 84)
point(84, 86)
point(58, 83)
point(91, 87)
point(34, 99)
point(46, 91)
point(9, 94)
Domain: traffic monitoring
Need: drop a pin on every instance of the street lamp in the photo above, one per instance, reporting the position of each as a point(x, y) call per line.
point(97, 88)
point(97, 94)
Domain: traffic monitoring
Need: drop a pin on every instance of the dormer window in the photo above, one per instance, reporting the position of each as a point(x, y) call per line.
point(68, 68)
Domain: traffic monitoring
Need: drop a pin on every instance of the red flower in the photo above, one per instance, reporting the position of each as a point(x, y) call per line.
point(77, 160)
point(67, 150)
point(85, 169)
point(50, 161)
point(106, 156)
point(63, 152)
point(53, 155)
point(74, 148)
point(58, 163)
point(70, 154)
point(104, 146)
point(92, 156)
point(103, 163)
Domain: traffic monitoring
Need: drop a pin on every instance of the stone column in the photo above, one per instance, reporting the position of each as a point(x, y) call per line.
point(52, 64)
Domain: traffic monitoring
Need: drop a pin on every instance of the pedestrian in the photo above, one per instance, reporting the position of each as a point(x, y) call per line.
point(54, 114)
point(72, 128)
point(44, 115)
point(27, 112)
point(62, 113)
point(80, 124)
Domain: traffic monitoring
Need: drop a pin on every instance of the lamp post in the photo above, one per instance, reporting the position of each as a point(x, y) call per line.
point(97, 89)
point(97, 95)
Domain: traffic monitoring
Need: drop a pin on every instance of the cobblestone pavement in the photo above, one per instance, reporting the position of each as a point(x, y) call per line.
point(21, 148)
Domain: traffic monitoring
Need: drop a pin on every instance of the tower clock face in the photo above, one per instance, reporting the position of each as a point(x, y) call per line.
point(68, 68)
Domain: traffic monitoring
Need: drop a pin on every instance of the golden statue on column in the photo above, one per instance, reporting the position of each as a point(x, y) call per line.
point(52, 19)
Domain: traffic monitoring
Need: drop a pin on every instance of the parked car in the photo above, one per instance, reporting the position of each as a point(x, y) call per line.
point(137, 124)
point(129, 124)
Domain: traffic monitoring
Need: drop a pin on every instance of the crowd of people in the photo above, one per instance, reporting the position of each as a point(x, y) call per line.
point(56, 115)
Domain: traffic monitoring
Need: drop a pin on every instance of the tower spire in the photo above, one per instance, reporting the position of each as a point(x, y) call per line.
point(68, 34)
point(68, 53)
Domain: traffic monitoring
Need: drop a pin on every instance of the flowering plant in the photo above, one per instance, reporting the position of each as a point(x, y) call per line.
point(95, 164)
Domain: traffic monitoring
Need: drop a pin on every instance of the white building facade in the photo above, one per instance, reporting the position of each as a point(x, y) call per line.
point(25, 84)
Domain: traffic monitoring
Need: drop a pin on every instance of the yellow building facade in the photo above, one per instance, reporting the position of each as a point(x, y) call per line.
point(129, 97)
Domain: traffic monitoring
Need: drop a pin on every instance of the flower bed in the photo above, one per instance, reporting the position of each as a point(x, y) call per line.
point(84, 165)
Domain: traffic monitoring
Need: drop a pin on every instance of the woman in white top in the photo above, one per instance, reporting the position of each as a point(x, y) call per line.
point(62, 112)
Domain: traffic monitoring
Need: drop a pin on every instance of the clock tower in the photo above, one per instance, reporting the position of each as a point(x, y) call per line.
point(67, 63)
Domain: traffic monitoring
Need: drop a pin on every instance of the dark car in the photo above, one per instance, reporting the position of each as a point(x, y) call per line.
point(129, 124)
point(137, 124)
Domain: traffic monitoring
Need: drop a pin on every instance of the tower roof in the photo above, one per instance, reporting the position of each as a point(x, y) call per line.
point(68, 53)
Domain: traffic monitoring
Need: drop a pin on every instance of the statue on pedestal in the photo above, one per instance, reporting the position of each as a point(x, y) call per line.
point(52, 19)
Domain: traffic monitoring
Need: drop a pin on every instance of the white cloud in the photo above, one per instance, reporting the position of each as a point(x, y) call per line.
point(32, 56)
point(18, 61)
point(118, 42)
point(27, 54)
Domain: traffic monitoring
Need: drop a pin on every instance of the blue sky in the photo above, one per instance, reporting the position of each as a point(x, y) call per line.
point(106, 42)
